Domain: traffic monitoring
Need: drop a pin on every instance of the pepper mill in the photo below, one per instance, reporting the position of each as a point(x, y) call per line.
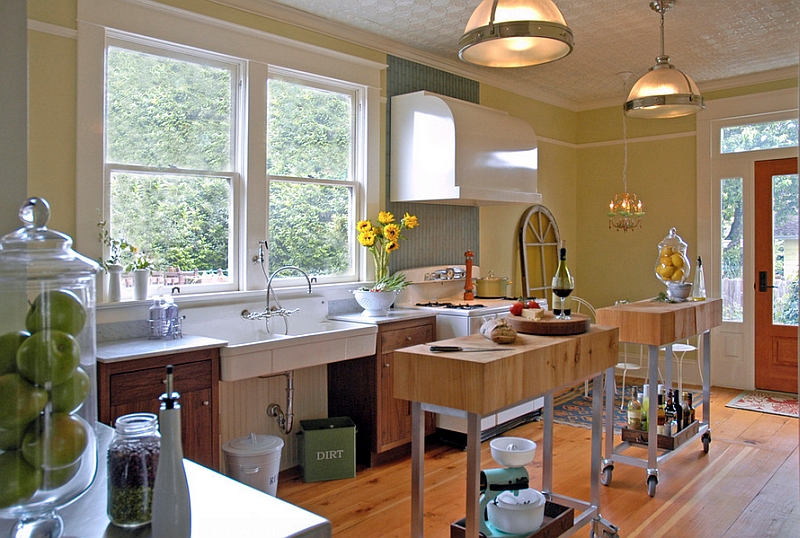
point(468, 293)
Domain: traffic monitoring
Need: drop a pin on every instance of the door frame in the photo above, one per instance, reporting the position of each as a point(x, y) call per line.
point(733, 353)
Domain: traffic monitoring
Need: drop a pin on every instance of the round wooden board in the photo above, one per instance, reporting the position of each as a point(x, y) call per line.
point(549, 325)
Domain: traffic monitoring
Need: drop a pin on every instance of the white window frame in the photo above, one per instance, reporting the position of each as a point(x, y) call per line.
point(734, 346)
point(97, 19)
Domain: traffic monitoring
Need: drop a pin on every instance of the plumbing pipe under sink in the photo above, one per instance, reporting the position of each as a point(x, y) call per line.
point(285, 420)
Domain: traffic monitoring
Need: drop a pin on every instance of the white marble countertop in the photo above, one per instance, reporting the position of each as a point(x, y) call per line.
point(395, 314)
point(140, 348)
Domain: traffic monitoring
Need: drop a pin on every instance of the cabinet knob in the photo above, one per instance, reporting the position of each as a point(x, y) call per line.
point(206, 403)
point(385, 364)
point(408, 338)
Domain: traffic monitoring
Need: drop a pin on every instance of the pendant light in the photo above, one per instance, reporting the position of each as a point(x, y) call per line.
point(625, 211)
point(515, 33)
point(664, 91)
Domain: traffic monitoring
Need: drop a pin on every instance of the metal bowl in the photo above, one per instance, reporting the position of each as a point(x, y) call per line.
point(679, 291)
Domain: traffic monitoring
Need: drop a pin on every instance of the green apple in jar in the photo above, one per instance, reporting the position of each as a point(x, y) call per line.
point(62, 443)
point(68, 396)
point(57, 310)
point(9, 344)
point(48, 357)
point(20, 401)
point(20, 479)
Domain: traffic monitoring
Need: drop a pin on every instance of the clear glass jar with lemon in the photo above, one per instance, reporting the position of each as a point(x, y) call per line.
point(672, 265)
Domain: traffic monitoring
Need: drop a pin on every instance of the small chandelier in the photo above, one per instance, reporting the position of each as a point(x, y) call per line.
point(515, 33)
point(664, 91)
point(625, 211)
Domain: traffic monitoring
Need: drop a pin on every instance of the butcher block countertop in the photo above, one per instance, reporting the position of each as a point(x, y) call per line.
point(658, 323)
point(486, 382)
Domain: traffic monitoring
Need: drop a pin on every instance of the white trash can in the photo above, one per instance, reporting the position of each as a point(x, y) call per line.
point(254, 460)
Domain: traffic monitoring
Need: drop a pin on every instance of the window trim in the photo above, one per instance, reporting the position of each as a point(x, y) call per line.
point(100, 20)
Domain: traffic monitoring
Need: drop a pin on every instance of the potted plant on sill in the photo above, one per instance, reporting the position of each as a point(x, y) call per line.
point(141, 274)
point(117, 249)
point(381, 240)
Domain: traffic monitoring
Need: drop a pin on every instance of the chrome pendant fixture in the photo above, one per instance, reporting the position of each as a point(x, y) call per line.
point(664, 91)
point(515, 33)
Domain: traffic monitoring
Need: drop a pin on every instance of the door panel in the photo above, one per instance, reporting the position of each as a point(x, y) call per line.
point(776, 275)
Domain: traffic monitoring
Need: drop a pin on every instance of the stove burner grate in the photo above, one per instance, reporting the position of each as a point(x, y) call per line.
point(459, 306)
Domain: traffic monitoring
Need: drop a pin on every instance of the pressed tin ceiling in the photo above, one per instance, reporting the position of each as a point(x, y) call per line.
point(710, 40)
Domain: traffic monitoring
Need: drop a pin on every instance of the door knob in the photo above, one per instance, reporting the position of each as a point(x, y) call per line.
point(762, 281)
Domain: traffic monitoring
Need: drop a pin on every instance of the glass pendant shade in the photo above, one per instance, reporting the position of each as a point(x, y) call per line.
point(515, 33)
point(664, 92)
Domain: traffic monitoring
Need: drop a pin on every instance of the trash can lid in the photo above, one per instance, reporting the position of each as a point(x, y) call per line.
point(253, 444)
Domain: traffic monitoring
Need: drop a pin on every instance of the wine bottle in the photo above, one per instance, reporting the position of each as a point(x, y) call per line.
point(662, 416)
point(699, 285)
point(171, 508)
point(562, 284)
point(634, 411)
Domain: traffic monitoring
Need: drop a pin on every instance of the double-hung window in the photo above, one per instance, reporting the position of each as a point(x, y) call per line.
point(217, 140)
point(311, 162)
point(171, 162)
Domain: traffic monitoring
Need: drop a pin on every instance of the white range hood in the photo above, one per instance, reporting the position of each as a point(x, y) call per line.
point(448, 151)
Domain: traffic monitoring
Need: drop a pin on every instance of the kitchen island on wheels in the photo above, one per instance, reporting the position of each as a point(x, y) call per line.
point(471, 385)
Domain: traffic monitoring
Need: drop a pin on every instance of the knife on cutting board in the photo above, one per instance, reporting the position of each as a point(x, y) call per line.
point(441, 349)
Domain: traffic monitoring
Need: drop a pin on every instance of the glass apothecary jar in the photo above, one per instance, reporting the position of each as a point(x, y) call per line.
point(672, 264)
point(132, 463)
point(48, 400)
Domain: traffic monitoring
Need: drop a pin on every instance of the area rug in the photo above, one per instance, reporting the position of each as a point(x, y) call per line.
point(775, 403)
point(573, 408)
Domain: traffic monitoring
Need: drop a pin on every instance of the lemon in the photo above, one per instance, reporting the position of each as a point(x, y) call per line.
point(665, 271)
point(666, 260)
point(666, 251)
point(677, 260)
point(677, 275)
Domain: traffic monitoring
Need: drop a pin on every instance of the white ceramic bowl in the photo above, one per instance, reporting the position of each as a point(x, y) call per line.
point(679, 291)
point(512, 451)
point(517, 514)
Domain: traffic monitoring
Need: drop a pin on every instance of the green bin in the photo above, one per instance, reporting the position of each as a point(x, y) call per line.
point(327, 449)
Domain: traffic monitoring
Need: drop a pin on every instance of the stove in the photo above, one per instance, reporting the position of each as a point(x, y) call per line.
point(441, 289)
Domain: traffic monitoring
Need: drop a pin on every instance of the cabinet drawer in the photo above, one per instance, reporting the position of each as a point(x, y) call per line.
point(149, 384)
point(391, 340)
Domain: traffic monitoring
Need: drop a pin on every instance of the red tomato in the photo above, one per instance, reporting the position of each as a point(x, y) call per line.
point(516, 308)
point(532, 304)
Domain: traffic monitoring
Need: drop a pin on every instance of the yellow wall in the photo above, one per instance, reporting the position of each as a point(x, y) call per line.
point(580, 161)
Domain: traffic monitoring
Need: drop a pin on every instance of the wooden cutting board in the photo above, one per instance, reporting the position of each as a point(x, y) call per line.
point(549, 325)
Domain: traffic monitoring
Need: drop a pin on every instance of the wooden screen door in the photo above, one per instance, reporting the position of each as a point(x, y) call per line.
point(776, 255)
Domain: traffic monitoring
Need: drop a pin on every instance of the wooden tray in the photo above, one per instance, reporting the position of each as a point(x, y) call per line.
point(549, 325)
point(557, 520)
point(667, 442)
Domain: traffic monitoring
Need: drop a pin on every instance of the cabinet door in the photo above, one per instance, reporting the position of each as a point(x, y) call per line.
point(394, 427)
point(138, 392)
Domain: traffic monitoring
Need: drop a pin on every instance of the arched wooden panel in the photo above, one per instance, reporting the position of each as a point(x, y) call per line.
point(538, 247)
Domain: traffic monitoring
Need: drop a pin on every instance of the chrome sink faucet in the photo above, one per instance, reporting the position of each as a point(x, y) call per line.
point(278, 310)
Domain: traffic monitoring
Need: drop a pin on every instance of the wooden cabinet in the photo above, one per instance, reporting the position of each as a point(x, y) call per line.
point(362, 389)
point(133, 386)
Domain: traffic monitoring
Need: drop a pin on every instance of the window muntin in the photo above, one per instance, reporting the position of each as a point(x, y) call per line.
point(170, 126)
point(311, 155)
point(758, 136)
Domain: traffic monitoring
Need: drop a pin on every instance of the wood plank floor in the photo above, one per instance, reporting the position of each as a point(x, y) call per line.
point(746, 486)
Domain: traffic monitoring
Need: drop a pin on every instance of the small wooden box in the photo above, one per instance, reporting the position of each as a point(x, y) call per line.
point(667, 442)
point(557, 520)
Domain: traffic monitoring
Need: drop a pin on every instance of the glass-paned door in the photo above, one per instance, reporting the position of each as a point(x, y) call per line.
point(776, 256)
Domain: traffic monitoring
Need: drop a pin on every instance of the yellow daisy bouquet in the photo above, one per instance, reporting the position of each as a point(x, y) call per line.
point(381, 240)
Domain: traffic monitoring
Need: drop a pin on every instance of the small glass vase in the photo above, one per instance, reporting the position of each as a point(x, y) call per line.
point(375, 303)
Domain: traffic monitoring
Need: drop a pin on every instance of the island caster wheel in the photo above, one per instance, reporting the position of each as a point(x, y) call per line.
point(605, 476)
point(652, 482)
point(706, 441)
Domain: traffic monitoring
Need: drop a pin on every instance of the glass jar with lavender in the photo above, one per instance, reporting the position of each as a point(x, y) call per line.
point(132, 462)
